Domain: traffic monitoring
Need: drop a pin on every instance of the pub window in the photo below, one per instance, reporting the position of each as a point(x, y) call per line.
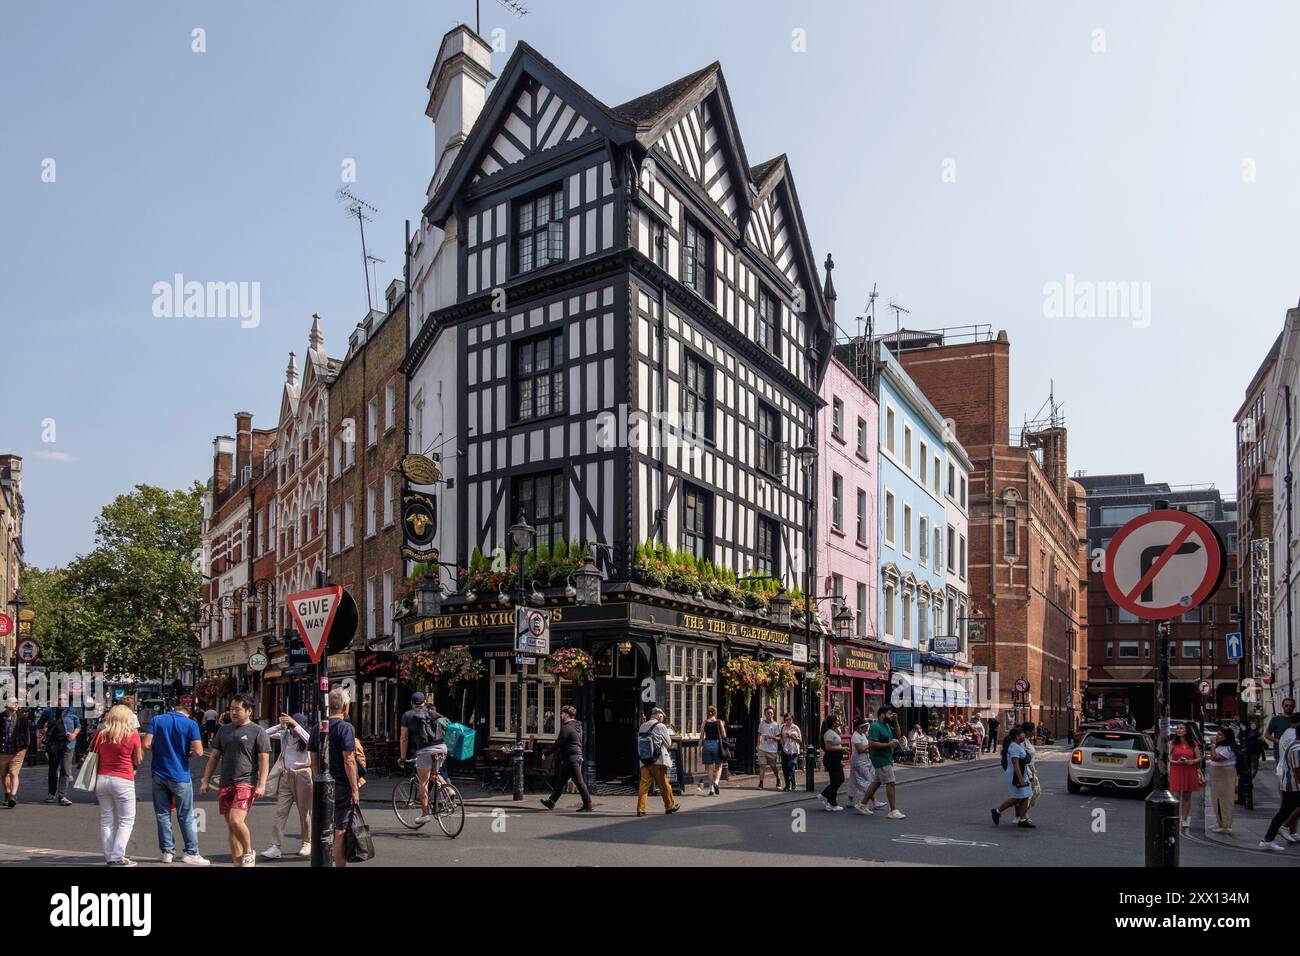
point(541, 499)
point(692, 686)
point(695, 521)
point(769, 330)
point(539, 230)
point(697, 397)
point(766, 547)
point(539, 376)
point(769, 437)
point(544, 695)
point(696, 256)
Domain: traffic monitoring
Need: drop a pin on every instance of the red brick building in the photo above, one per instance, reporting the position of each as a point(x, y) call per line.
point(1028, 527)
point(234, 620)
point(367, 400)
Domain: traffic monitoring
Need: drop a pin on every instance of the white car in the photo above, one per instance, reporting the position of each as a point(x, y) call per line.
point(1113, 760)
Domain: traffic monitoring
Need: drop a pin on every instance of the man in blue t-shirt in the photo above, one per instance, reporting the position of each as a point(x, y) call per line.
point(172, 738)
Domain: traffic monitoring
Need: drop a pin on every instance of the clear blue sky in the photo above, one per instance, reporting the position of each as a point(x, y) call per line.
point(1117, 166)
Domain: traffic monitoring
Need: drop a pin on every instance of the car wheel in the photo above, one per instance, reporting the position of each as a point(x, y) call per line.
point(1071, 786)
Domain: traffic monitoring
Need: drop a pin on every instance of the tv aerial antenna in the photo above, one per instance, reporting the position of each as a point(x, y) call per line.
point(364, 212)
point(899, 312)
point(514, 6)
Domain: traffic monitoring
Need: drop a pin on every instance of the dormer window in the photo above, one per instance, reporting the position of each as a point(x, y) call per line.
point(539, 230)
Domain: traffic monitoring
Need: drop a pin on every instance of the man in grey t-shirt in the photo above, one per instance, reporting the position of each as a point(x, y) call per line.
point(242, 752)
point(767, 753)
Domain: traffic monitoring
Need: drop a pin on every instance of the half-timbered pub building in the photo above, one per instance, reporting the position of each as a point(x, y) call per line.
point(617, 333)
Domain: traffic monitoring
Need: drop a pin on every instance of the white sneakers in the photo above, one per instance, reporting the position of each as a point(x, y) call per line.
point(272, 853)
point(249, 859)
point(836, 808)
point(166, 858)
point(424, 818)
point(1288, 835)
point(1273, 845)
point(897, 815)
point(862, 808)
point(826, 804)
point(879, 804)
point(305, 849)
point(193, 859)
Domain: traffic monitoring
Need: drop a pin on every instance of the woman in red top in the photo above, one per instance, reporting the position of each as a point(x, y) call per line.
point(1184, 770)
point(120, 752)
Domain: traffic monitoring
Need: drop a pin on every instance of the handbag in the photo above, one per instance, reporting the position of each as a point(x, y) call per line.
point(274, 777)
point(357, 846)
point(88, 776)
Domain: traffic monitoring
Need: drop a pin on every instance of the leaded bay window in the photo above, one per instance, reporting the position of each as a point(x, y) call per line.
point(539, 376)
point(539, 230)
point(541, 498)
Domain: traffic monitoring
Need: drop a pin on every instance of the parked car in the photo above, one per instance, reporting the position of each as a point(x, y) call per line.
point(1113, 760)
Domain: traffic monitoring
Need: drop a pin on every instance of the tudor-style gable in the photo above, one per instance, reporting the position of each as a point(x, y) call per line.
point(695, 144)
point(538, 120)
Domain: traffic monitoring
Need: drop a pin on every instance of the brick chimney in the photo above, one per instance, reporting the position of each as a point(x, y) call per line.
point(223, 448)
point(243, 443)
point(457, 91)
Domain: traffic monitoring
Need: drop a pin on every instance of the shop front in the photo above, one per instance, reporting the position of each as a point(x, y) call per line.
point(628, 655)
point(858, 680)
point(378, 703)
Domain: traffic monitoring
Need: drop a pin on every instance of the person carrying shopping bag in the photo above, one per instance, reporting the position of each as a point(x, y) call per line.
point(290, 781)
point(117, 751)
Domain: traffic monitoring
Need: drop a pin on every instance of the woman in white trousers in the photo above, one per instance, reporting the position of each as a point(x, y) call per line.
point(118, 751)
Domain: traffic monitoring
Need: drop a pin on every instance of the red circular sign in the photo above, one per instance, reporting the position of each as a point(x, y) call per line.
point(1163, 564)
point(6, 625)
point(29, 652)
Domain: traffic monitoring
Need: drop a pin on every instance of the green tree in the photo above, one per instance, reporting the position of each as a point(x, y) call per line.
point(63, 622)
point(142, 582)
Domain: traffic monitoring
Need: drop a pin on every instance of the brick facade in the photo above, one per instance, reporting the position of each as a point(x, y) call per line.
point(1028, 558)
point(370, 384)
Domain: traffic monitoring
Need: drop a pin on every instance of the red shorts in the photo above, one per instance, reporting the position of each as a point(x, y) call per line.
point(238, 797)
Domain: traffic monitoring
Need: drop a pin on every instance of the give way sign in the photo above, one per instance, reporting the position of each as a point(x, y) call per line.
point(1163, 563)
point(313, 613)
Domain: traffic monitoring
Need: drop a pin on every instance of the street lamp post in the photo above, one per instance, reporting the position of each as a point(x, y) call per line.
point(1162, 807)
point(17, 603)
point(522, 536)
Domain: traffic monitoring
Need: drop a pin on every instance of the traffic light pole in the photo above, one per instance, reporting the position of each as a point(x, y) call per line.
point(1161, 805)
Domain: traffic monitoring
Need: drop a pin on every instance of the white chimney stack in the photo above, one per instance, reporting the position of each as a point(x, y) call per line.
point(457, 92)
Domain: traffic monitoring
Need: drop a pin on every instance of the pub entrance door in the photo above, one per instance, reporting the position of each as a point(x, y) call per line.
point(616, 715)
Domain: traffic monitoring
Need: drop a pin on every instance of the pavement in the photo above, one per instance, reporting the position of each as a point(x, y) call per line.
point(1248, 826)
point(947, 824)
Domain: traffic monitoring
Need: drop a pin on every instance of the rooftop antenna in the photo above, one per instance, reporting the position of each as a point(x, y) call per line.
point(355, 206)
point(514, 6)
point(899, 312)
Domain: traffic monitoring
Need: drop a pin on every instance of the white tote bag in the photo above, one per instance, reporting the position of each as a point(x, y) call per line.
point(89, 773)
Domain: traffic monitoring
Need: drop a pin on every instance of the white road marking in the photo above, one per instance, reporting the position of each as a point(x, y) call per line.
point(920, 840)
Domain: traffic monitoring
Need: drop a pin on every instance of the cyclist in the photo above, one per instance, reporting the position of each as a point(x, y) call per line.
point(422, 735)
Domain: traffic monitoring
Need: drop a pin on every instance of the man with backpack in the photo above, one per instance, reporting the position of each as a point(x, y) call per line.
point(568, 760)
point(652, 744)
point(422, 735)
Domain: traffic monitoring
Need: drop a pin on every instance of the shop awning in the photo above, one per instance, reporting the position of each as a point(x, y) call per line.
point(907, 691)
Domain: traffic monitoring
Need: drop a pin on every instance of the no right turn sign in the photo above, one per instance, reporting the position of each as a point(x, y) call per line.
point(1162, 564)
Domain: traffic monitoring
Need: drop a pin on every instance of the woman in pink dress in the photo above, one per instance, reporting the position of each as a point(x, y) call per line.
point(1184, 770)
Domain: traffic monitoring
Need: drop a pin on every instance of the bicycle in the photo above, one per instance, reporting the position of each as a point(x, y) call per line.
point(445, 804)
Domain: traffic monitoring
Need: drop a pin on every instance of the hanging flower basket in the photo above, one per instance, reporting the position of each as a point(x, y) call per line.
point(571, 664)
point(743, 675)
point(451, 666)
point(780, 675)
point(214, 687)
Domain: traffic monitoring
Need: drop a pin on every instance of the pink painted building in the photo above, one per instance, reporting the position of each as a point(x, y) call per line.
point(846, 541)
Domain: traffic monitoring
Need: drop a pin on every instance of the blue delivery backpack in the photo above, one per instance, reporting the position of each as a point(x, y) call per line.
point(460, 741)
